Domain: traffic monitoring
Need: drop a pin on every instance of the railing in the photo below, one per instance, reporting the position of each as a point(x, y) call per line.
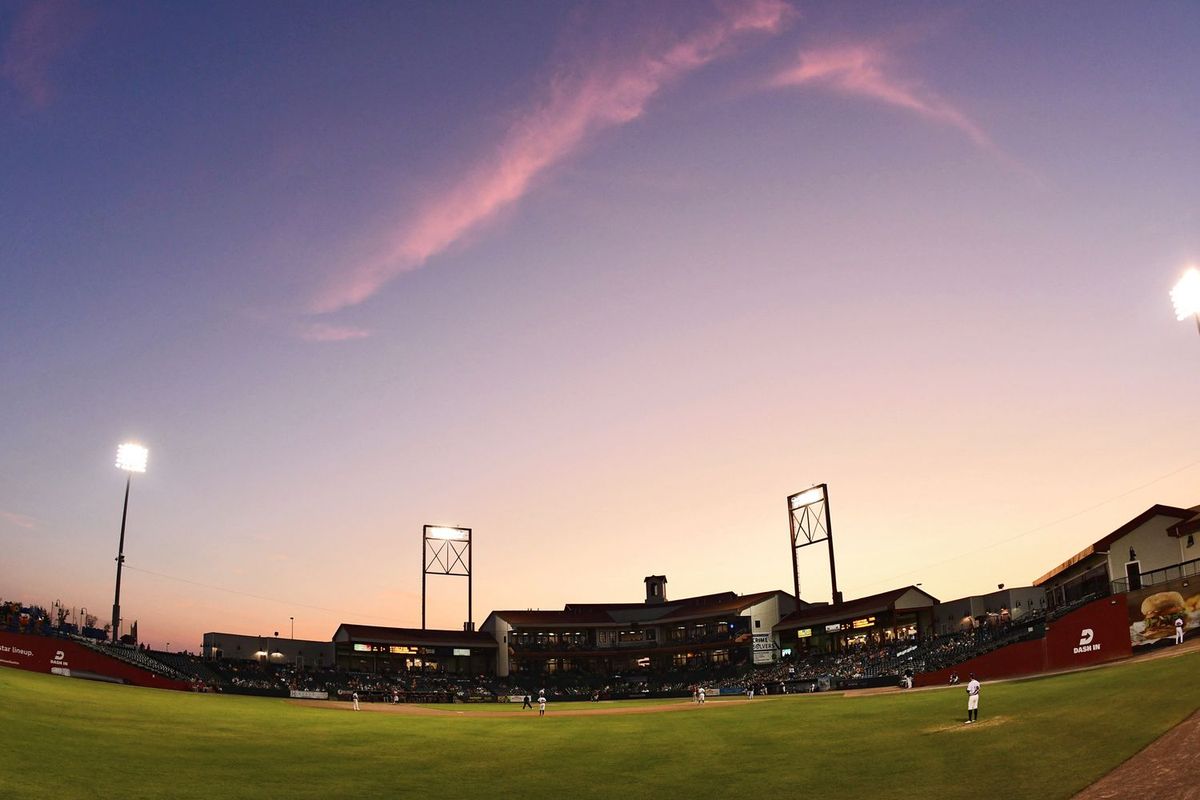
point(1184, 569)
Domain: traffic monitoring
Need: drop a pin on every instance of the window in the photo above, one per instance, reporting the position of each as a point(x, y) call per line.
point(758, 623)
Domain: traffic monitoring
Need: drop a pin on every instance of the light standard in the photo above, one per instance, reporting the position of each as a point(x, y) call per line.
point(293, 619)
point(446, 551)
point(131, 458)
point(1186, 296)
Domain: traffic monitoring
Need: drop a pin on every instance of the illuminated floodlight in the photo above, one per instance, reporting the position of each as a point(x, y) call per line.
point(132, 457)
point(1186, 295)
point(806, 498)
point(448, 534)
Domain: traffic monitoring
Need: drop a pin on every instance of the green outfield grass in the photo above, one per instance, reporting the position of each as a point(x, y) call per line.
point(581, 705)
point(1044, 738)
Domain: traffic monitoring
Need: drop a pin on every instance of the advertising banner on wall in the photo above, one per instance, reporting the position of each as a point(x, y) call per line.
point(1153, 611)
point(59, 656)
point(764, 648)
point(1093, 634)
point(1088, 635)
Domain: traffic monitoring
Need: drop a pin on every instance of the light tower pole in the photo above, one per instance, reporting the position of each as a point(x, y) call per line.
point(131, 458)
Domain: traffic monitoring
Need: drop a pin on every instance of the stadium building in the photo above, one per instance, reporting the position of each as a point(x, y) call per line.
point(898, 615)
point(301, 653)
point(1156, 546)
point(656, 634)
point(371, 648)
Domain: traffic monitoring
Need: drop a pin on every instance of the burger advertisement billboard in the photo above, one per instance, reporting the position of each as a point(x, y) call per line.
point(1153, 611)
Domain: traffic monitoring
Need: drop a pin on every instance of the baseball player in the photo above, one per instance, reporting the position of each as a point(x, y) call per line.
point(972, 700)
point(542, 704)
point(1179, 630)
point(354, 697)
point(700, 695)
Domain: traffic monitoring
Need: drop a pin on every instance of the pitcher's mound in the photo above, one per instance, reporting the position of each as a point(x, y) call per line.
point(962, 727)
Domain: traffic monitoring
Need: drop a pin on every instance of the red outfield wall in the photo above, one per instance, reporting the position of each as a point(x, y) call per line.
point(65, 657)
point(1093, 634)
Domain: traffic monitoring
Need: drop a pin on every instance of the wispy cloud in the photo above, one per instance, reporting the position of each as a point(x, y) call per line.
point(43, 32)
point(866, 70)
point(324, 332)
point(582, 99)
point(19, 520)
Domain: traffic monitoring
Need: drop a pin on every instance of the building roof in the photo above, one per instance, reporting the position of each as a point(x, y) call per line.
point(213, 635)
point(718, 606)
point(850, 609)
point(349, 632)
point(1102, 544)
point(1188, 527)
point(592, 614)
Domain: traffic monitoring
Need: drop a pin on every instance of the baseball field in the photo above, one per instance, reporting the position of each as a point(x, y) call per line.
point(1042, 738)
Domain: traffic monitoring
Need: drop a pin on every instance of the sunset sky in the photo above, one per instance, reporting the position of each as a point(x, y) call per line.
point(605, 282)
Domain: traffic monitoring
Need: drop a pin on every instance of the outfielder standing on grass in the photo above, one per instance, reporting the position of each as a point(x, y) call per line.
point(972, 700)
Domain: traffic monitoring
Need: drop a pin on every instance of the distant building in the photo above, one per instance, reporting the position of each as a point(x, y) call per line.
point(1154, 546)
point(303, 653)
point(1001, 605)
point(656, 634)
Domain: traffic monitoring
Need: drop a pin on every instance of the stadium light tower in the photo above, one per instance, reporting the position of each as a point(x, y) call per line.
point(443, 550)
point(131, 458)
point(808, 518)
point(1186, 296)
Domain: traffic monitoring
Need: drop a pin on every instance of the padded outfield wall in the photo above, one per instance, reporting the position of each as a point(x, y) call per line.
point(1093, 634)
point(58, 656)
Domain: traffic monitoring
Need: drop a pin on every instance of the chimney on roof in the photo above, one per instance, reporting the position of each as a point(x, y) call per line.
point(656, 589)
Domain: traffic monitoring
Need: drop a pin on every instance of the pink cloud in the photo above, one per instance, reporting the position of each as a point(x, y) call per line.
point(865, 70)
point(42, 33)
point(323, 332)
point(581, 100)
point(19, 520)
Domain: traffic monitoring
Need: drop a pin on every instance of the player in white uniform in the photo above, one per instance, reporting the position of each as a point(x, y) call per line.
point(972, 700)
point(700, 695)
point(354, 697)
point(542, 704)
point(1179, 630)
